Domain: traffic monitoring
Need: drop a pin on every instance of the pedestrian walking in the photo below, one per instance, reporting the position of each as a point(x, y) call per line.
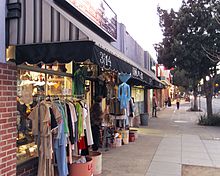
point(166, 102)
point(169, 101)
point(177, 101)
point(154, 107)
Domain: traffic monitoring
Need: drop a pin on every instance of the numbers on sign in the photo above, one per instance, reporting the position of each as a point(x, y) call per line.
point(105, 60)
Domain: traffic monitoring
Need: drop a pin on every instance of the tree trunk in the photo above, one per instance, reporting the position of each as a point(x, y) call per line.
point(195, 105)
point(209, 94)
point(209, 105)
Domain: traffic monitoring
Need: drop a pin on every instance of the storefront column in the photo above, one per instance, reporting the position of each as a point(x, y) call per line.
point(8, 119)
point(146, 101)
point(149, 104)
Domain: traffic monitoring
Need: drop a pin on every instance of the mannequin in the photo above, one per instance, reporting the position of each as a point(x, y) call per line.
point(124, 93)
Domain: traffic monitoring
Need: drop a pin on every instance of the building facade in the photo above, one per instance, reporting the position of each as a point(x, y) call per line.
point(39, 33)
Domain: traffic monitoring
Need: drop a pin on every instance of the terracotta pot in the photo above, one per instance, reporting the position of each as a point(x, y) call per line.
point(131, 137)
point(82, 169)
point(135, 133)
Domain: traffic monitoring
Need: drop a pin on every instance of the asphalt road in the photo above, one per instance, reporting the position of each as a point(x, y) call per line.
point(215, 104)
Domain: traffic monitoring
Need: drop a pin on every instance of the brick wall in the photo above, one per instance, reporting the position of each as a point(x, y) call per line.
point(8, 118)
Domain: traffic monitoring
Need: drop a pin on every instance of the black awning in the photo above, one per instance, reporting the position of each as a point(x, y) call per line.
point(62, 52)
point(158, 84)
point(65, 52)
point(79, 51)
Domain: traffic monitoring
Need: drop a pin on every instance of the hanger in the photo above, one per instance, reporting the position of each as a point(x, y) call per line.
point(48, 98)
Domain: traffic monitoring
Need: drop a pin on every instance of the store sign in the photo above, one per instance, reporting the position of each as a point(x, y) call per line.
point(137, 73)
point(105, 60)
point(99, 12)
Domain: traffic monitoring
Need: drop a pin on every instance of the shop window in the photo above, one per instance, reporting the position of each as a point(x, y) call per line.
point(64, 68)
point(59, 85)
point(30, 85)
point(138, 95)
point(33, 87)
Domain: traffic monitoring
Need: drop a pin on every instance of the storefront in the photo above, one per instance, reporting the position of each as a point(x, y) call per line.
point(51, 70)
point(83, 79)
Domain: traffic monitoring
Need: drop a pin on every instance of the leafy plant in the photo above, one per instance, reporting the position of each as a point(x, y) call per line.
point(213, 120)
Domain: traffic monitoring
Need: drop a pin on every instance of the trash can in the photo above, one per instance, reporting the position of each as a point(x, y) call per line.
point(144, 119)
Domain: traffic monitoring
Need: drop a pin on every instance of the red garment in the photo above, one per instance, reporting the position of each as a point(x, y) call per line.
point(81, 143)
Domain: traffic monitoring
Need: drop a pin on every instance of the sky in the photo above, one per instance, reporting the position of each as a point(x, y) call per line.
point(141, 19)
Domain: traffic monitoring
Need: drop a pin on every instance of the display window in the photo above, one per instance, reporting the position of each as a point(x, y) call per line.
point(34, 85)
point(138, 94)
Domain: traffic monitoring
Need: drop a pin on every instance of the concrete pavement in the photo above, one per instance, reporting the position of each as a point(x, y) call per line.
point(171, 145)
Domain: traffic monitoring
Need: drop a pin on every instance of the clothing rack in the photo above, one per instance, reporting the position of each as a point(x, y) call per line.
point(42, 97)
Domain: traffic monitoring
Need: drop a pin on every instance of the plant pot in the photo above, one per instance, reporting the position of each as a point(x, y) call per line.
point(97, 162)
point(135, 133)
point(81, 169)
point(131, 137)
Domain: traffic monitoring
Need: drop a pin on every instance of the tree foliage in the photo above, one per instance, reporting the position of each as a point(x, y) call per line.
point(185, 32)
point(188, 35)
point(180, 78)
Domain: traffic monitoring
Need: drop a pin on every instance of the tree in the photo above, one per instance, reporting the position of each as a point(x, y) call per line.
point(180, 78)
point(185, 33)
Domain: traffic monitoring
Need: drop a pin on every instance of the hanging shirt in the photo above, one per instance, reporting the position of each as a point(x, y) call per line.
point(87, 124)
point(79, 81)
point(124, 95)
point(80, 120)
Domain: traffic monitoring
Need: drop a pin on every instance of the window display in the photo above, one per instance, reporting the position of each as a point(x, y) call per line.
point(32, 87)
point(138, 95)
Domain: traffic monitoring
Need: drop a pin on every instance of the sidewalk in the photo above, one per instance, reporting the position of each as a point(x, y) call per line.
point(171, 145)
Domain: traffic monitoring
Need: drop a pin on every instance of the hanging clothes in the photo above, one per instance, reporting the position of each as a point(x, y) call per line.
point(73, 121)
point(41, 128)
point(86, 114)
point(80, 120)
point(60, 143)
point(56, 125)
point(124, 95)
point(79, 81)
point(70, 124)
point(115, 107)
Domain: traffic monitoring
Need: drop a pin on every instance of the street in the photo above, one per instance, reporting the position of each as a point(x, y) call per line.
point(215, 104)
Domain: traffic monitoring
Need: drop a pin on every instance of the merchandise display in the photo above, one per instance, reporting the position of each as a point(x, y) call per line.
point(32, 86)
point(25, 152)
point(54, 109)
